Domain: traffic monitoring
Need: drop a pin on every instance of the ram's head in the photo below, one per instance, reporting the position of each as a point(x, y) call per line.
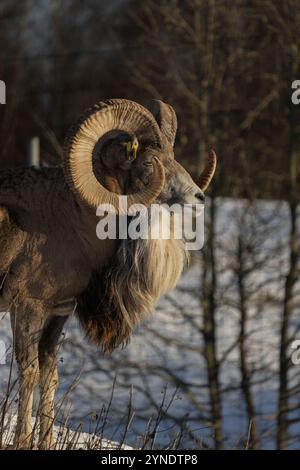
point(120, 148)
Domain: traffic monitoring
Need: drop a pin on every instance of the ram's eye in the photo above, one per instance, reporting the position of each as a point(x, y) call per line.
point(148, 164)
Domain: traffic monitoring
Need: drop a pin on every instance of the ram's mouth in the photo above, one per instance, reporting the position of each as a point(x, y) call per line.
point(197, 209)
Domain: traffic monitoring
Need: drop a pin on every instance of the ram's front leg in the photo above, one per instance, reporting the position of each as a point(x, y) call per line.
point(27, 321)
point(48, 379)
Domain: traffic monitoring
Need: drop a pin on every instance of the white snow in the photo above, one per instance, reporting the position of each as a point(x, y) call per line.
point(64, 437)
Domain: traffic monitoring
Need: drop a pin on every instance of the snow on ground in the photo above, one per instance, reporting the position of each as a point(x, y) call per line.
point(64, 438)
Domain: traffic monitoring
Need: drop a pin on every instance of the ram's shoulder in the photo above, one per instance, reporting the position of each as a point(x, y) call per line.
point(8, 225)
point(4, 216)
point(11, 239)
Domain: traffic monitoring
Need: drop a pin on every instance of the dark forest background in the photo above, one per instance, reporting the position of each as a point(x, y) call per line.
point(227, 68)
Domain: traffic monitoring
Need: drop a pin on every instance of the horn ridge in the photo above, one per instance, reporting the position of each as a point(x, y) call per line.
point(124, 115)
point(209, 171)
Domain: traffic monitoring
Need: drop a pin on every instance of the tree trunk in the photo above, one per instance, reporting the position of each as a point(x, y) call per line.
point(209, 331)
point(245, 373)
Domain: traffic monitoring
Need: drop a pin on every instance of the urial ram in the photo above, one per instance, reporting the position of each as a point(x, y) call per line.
point(51, 261)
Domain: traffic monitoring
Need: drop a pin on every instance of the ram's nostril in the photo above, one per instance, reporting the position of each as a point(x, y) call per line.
point(200, 196)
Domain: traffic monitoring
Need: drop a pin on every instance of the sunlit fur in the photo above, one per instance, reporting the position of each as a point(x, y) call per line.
point(118, 299)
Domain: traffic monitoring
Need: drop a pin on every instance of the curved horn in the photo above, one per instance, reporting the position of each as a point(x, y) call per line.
point(209, 171)
point(122, 115)
point(166, 118)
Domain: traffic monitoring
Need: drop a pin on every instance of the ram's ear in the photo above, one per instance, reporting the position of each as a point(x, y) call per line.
point(166, 119)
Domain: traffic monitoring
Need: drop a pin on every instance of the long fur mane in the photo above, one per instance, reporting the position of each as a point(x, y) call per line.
point(119, 298)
